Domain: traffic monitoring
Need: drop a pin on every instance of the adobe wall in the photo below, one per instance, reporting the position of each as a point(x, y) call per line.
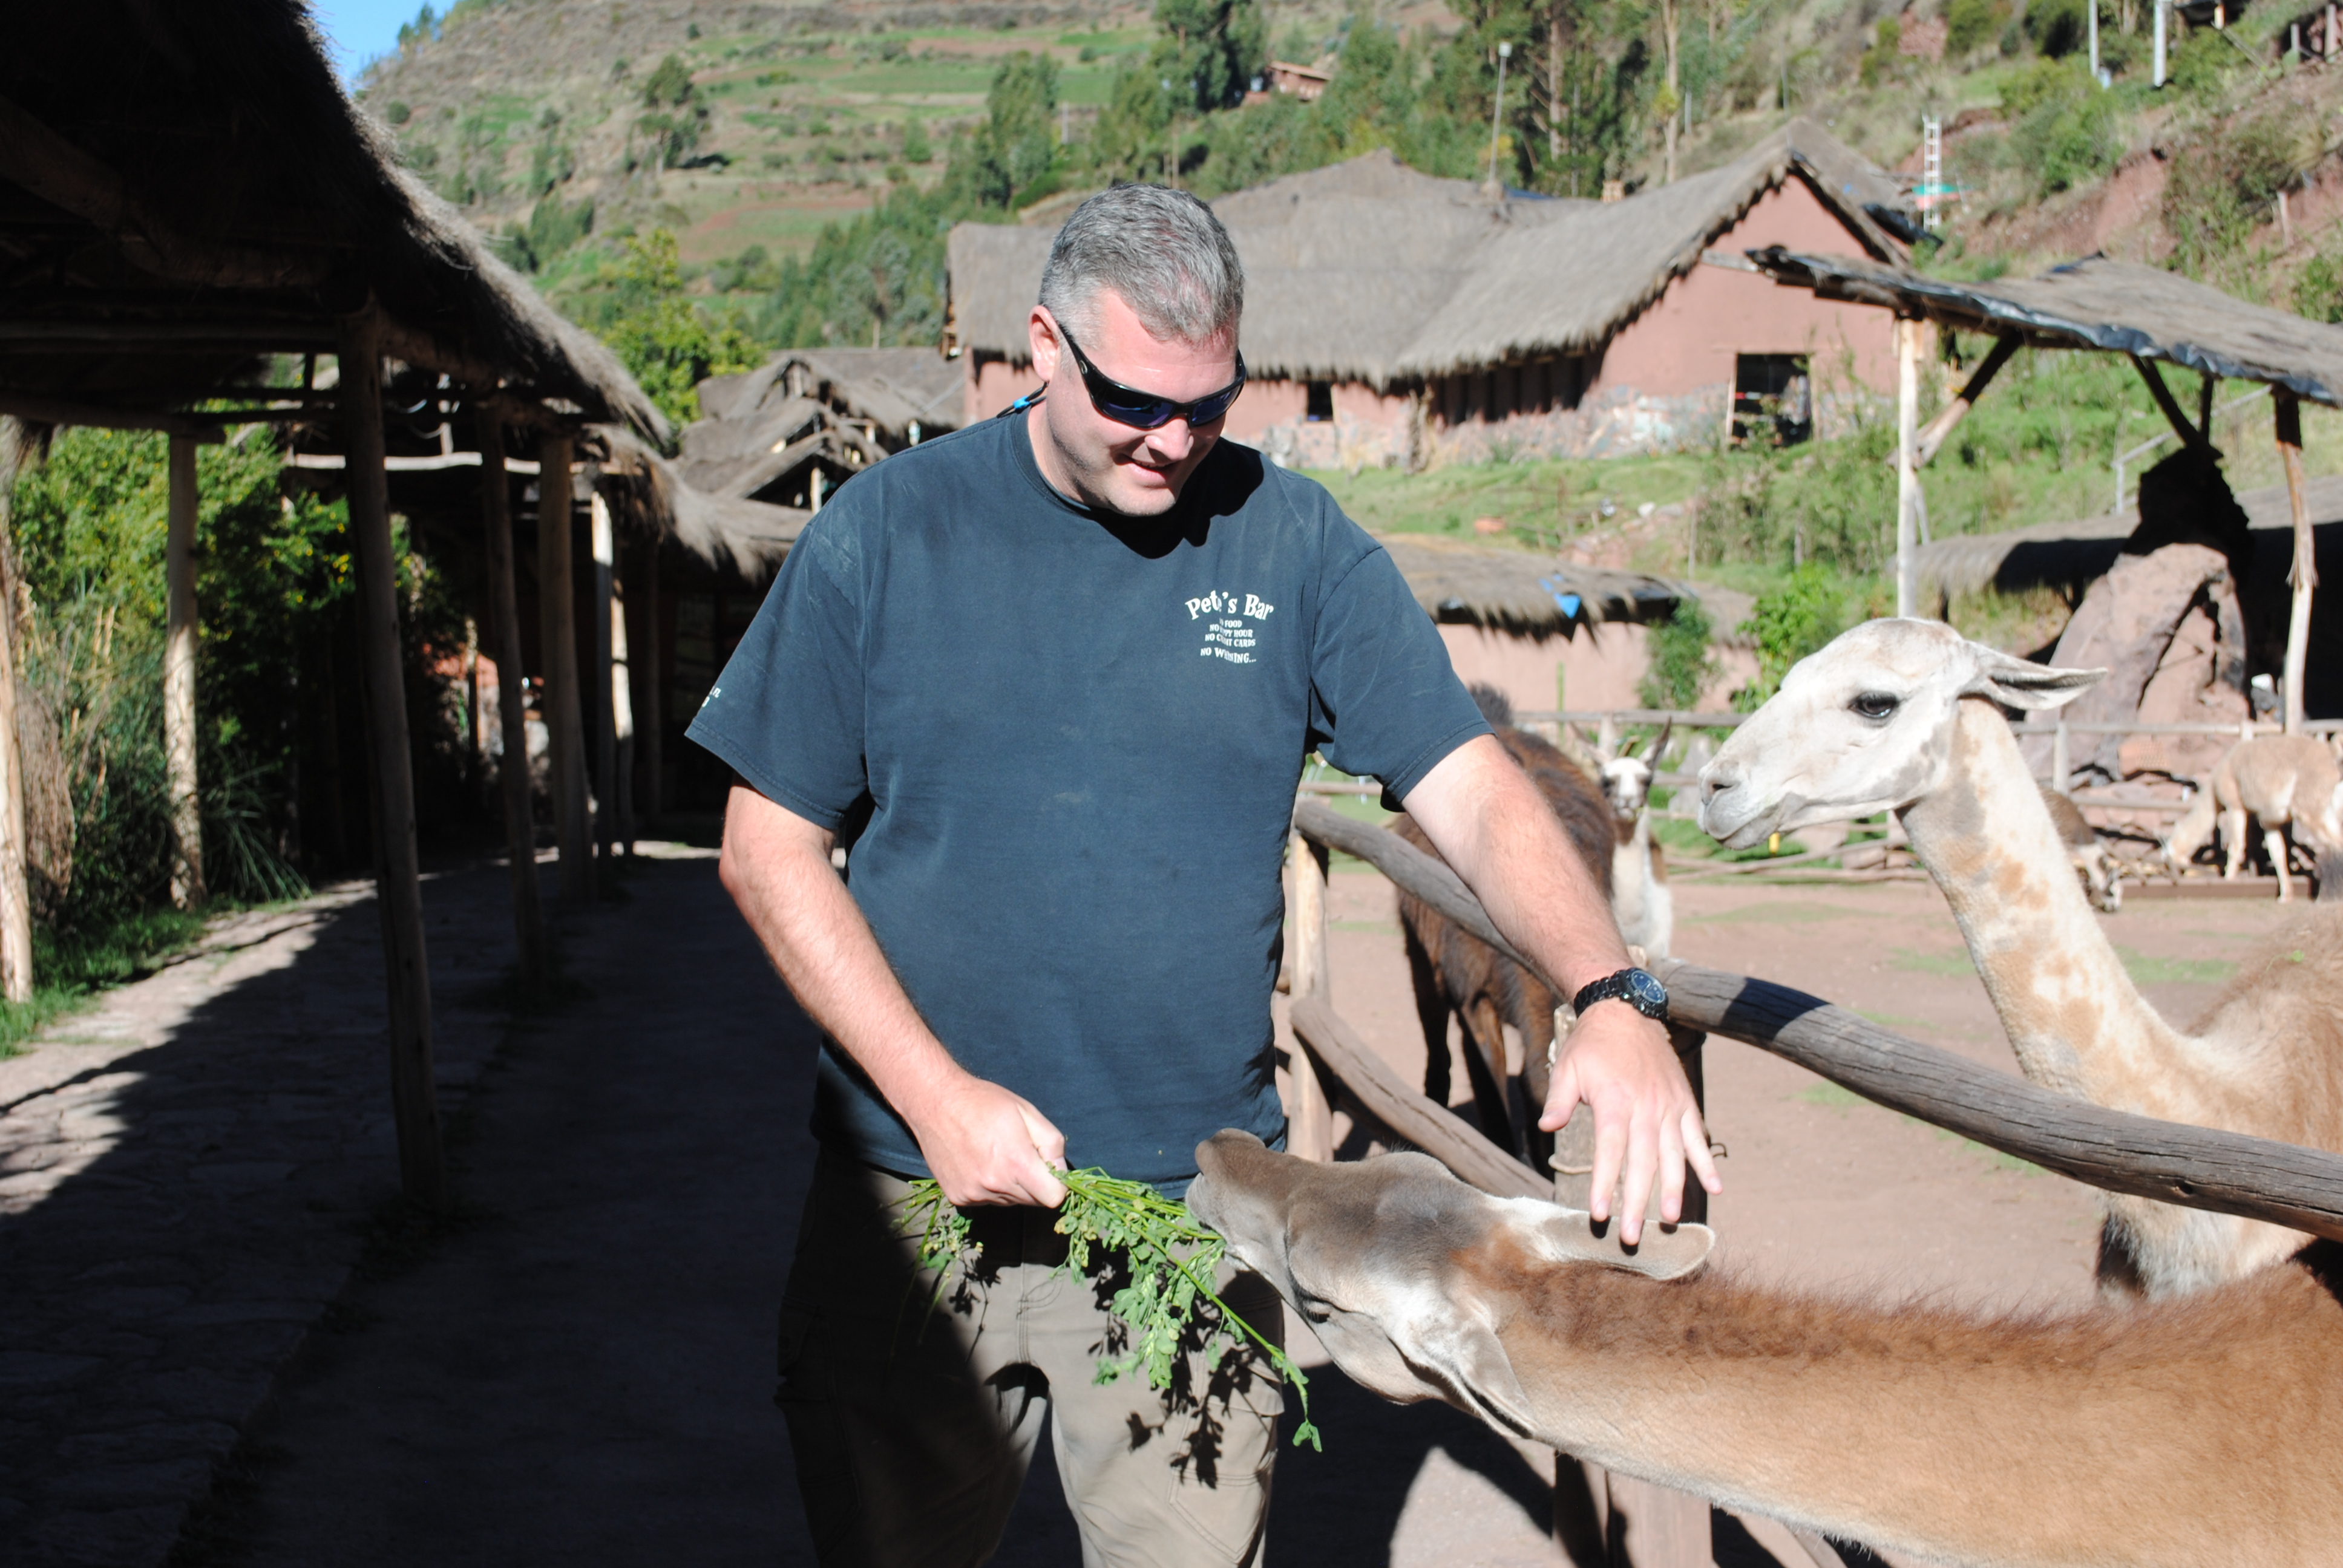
point(1600, 668)
point(992, 385)
point(1685, 342)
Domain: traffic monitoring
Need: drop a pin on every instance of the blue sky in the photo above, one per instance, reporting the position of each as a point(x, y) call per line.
point(358, 30)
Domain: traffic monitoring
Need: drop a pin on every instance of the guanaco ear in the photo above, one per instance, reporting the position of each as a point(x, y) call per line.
point(1456, 1346)
point(2032, 687)
point(1663, 1252)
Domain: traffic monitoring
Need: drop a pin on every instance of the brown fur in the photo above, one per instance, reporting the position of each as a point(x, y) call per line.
point(2092, 863)
point(1455, 972)
point(2204, 1431)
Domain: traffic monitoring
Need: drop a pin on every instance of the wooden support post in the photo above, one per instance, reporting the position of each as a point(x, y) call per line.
point(605, 683)
point(2061, 769)
point(2189, 435)
point(1908, 481)
point(621, 716)
point(1932, 438)
point(398, 884)
point(179, 679)
point(565, 716)
point(2207, 385)
point(15, 898)
point(647, 670)
point(512, 703)
point(1309, 1119)
point(2304, 574)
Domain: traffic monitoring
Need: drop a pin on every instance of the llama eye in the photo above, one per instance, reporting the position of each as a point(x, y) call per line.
point(1875, 704)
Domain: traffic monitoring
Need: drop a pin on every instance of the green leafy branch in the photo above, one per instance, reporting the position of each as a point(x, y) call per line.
point(1172, 1260)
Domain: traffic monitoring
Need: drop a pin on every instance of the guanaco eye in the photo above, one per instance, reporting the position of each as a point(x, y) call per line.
point(1875, 704)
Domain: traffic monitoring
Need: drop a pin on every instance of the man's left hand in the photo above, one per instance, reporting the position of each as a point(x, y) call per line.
point(1620, 1063)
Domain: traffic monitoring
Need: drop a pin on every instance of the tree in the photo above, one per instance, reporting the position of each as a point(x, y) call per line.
point(1014, 154)
point(1211, 50)
point(668, 86)
point(659, 335)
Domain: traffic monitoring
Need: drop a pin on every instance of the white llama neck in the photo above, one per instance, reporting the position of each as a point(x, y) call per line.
point(2071, 1012)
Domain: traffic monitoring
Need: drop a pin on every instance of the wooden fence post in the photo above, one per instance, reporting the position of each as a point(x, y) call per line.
point(1309, 1120)
point(619, 716)
point(1907, 478)
point(512, 701)
point(16, 896)
point(179, 677)
point(565, 717)
point(398, 886)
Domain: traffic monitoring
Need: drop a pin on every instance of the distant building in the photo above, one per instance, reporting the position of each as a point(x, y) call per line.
point(1305, 82)
point(1392, 317)
point(794, 429)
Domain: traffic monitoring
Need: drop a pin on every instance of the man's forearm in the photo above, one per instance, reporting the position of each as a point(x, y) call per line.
point(815, 934)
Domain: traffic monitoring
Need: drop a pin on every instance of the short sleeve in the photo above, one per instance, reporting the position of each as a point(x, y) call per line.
point(787, 714)
point(1384, 701)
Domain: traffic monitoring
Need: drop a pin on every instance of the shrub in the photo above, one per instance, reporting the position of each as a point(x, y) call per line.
point(1789, 623)
point(2057, 27)
point(1681, 662)
point(2318, 292)
point(1970, 25)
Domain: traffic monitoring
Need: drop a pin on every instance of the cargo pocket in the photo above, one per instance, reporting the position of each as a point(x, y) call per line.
point(1227, 1516)
point(807, 1393)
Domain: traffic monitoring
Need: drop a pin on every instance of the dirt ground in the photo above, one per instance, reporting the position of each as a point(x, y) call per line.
point(582, 1373)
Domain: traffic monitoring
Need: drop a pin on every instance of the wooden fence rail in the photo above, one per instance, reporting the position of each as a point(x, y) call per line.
point(2193, 1167)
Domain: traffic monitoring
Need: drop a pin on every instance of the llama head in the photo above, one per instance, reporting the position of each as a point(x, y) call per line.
point(1374, 1253)
point(1626, 777)
point(1866, 725)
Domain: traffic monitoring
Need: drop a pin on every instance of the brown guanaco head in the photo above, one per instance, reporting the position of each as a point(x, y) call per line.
point(1390, 1260)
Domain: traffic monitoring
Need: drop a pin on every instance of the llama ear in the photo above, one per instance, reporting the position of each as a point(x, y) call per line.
point(1664, 1252)
point(2031, 686)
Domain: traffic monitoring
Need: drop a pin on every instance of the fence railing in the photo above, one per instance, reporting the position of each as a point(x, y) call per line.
point(2191, 1167)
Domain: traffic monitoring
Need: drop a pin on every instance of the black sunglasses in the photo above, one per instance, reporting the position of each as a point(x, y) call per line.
point(1144, 411)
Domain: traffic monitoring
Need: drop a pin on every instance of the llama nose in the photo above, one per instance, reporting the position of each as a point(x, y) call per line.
point(1721, 777)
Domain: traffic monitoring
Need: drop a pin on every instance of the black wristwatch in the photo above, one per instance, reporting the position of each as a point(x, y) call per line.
point(1638, 990)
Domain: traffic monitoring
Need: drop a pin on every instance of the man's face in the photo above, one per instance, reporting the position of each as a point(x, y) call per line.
point(1103, 464)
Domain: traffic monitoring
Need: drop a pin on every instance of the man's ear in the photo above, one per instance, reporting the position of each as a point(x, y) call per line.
point(1571, 1236)
point(2031, 686)
point(1042, 340)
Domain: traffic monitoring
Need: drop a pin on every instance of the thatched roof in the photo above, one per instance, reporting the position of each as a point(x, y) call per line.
point(2069, 554)
point(1523, 594)
point(186, 187)
point(892, 387)
point(1370, 271)
point(749, 537)
point(2096, 302)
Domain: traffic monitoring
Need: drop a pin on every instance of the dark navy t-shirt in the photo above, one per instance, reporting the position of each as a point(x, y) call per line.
point(1069, 742)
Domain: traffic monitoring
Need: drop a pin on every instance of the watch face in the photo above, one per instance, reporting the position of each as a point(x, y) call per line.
point(1645, 992)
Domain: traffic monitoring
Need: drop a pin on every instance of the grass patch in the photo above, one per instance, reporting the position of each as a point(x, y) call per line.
point(2145, 970)
point(1922, 963)
point(71, 972)
point(1785, 912)
point(1541, 501)
point(1831, 1097)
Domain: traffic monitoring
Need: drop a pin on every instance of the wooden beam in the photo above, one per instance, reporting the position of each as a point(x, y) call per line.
point(2189, 435)
point(169, 337)
point(16, 898)
point(41, 410)
point(1309, 1117)
point(512, 703)
point(2302, 576)
point(399, 885)
point(1932, 436)
point(1398, 1105)
point(649, 671)
point(1908, 478)
point(2192, 1167)
point(62, 174)
point(557, 622)
point(180, 633)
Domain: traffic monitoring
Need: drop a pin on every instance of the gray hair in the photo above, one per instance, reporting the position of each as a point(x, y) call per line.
point(1162, 250)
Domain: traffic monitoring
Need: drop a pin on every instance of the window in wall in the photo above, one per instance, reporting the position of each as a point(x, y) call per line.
point(1773, 399)
point(1321, 401)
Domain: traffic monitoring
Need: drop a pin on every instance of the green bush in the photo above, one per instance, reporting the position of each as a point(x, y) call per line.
point(2227, 182)
point(2057, 27)
point(2318, 292)
point(1791, 622)
point(1970, 25)
point(1681, 664)
point(2064, 131)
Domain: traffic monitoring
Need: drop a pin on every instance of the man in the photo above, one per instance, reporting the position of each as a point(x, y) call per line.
point(1052, 679)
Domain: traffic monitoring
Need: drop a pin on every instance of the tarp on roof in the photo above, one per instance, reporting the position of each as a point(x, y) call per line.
point(2097, 303)
point(1514, 591)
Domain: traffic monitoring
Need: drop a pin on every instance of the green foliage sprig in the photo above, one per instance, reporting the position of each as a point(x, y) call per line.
point(1172, 1259)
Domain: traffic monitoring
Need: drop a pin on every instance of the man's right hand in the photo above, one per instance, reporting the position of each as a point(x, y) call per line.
point(988, 1145)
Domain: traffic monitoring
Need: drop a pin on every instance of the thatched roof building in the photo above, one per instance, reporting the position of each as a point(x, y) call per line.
point(1521, 594)
point(1379, 300)
point(829, 412)
point(1368, 271)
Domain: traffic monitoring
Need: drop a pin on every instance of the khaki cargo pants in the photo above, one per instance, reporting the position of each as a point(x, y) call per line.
point(914, 1420)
